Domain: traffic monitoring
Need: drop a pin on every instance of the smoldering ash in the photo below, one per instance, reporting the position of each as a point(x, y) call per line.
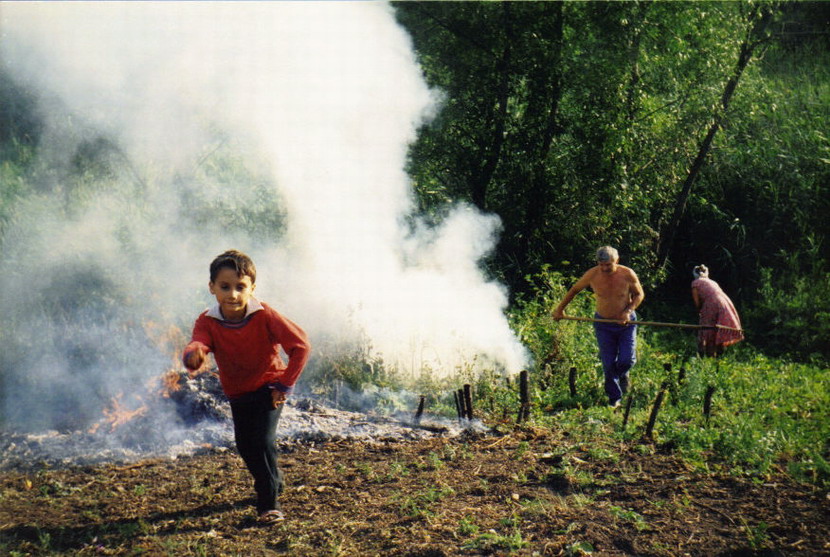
point(170, 132)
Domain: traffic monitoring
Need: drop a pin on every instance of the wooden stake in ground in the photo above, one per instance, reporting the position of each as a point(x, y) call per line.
point(707, 401)
point(524, 397)
point(655, 410)
point(420, 411)
point(468, 400)
point(627, 410)
point(459, 404)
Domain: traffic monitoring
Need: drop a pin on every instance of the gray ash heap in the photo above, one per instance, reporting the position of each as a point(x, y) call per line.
point(190, 415)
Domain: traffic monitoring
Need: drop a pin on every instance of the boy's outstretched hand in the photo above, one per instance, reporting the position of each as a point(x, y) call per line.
point(195, 359)
point(278, 398)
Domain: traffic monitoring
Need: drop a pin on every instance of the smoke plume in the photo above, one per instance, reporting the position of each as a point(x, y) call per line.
point(170, 132)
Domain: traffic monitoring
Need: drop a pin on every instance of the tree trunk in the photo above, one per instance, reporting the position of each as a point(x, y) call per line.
point(753, 39)
point(536, 200)
point(481, 179)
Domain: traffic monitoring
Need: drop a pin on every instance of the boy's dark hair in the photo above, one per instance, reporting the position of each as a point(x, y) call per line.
point(236, 260)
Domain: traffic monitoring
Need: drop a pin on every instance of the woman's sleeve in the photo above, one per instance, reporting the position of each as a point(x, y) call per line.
point(696, 296)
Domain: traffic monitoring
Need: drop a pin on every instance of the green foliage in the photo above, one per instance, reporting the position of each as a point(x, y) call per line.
point(758, 220)
point(15, 187)
point(574, 122)
point(213, 200)
point(768, 415)
point(793, 315)
point(554, 346)
point(579, 548)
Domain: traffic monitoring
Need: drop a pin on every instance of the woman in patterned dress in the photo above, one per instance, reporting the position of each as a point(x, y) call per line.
point(715, 308)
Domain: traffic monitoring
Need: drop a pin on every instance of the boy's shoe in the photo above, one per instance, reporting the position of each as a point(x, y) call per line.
point(270, 517)
point(614, 404)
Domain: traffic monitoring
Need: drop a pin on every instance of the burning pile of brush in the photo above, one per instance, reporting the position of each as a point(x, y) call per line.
point(183, 414)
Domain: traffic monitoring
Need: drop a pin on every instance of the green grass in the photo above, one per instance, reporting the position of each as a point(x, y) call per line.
point(767, 414)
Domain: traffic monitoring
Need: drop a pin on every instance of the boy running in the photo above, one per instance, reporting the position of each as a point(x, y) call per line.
point(245, 336)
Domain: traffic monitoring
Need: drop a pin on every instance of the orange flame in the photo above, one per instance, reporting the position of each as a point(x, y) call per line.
point(170, 383)
point(168, 339)
point(117, 414)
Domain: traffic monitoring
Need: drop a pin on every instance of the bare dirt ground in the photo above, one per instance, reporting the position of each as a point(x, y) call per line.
point(529, 492)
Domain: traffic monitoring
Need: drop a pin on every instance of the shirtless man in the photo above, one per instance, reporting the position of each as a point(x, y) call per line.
point(618, 293)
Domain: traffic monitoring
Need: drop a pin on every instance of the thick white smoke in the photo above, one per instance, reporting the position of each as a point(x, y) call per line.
point(277, 128)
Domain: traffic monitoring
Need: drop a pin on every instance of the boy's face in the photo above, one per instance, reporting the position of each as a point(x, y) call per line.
point(232, 293)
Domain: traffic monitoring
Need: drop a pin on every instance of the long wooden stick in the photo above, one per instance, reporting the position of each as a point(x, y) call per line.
point(656, 323)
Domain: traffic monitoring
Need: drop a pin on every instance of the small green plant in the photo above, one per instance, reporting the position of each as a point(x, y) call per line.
point(535, 508)
point(510, 521)
point(418, 505)
point(53, 488)
point(44, 540)
point(366, 470)
point(580, 478)
point(397, 469)
point(493, 542)
point(580, 500)
point(522, 449)
point(467, 527)
point(757, 535)
point(435, 461)
point(603, 453)
point(414, 507)
point(630, 516)
point(577, 549)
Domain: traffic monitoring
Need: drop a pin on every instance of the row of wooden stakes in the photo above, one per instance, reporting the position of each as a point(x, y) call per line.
point(464, 399)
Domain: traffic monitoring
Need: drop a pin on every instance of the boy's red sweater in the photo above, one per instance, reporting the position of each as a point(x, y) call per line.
point(248, 352)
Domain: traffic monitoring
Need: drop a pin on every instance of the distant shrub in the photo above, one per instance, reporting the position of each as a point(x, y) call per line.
point(554, 346)
point(792, 316)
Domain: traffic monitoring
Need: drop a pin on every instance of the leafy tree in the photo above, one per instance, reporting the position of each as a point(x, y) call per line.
point(567, 120)
point(682, 132)
point(758, 20)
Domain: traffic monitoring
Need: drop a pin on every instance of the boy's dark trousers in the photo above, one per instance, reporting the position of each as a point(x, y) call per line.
point(255, 428)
